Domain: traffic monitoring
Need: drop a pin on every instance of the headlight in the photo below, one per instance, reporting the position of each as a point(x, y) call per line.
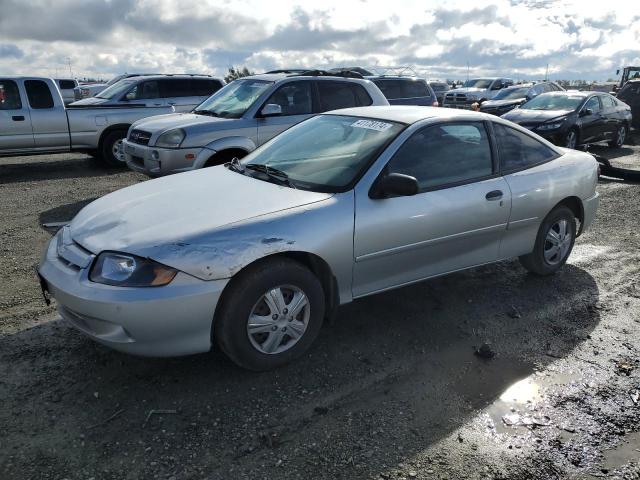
point(123, 270)
point(551, 126)
point(172, 138)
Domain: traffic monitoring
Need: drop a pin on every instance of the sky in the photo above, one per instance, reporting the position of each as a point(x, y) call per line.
point(438, 39)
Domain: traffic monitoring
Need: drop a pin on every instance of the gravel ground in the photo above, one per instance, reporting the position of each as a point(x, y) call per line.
point(392, 390)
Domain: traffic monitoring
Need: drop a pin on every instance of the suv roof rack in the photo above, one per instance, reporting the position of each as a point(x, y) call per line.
point(288, 70)
point(325, 73)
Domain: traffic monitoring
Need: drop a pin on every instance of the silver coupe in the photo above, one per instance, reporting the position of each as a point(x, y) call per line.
point(253, 255)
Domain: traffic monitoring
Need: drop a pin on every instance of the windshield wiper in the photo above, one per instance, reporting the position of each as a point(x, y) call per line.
point(271, 172)
point(235, 165)
point(205, 112)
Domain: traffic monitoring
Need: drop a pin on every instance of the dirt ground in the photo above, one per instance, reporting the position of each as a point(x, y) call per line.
point(392, 390)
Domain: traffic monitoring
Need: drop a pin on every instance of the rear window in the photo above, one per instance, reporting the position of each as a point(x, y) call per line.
point(38, 94)
point(335, 95)
point(9, 95)
point(66, 84)
point(394, 89)
point(518, 150)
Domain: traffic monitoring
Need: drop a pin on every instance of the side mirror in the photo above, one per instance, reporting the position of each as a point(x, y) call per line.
point(271, 109)
point(498, 86)
point(586, 112)
point(394, 185)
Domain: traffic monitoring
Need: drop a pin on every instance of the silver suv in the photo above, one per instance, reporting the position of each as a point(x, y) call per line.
point(183, 92)
point(240, 117)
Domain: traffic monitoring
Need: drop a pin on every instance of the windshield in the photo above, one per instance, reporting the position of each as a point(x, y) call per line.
point(115, 80)
point(478, 83)
point(553, 102)
point(326, 153)
point(234, 99)
point(511, 93)
point(116, 90)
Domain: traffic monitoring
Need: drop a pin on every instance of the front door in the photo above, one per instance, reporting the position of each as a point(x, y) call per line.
point(593, 124)
point(296, 104)
point(15, 120)
point(456, 220)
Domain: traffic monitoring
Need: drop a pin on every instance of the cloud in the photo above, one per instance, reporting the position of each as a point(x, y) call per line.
point(10, 50)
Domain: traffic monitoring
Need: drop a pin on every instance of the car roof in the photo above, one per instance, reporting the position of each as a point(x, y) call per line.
point(409, 114)
point(168, 75)
point(393, 77)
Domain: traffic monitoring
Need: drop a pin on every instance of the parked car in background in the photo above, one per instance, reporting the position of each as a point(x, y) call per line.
point(34, 120)
point(243, 115)
point(252, 256)
point(575, 118)
point(440, 89)
point(91, 89)
point(67, 87)
point(630, 94)
point(183, 92)
point(400, 90)
point(511, 97)
point(476, 90)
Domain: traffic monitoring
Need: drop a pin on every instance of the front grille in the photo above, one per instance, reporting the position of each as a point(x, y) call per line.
point(140, 137)
point(457, 100)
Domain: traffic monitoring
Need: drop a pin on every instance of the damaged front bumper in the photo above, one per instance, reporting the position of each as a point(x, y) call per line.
point(172, 320)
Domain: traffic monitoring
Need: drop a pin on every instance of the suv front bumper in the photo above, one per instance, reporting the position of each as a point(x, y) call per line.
point(156, 161)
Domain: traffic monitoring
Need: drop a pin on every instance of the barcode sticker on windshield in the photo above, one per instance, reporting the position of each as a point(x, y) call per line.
point(372, 125)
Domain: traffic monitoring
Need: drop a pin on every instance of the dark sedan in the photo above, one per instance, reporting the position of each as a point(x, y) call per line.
point(511, 97)
point(575, 118)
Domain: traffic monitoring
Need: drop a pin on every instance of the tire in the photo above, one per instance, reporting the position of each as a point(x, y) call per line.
point(246, 295)
point(539, 261)
point(619, 137)
point(109, 143)
point(571, 139)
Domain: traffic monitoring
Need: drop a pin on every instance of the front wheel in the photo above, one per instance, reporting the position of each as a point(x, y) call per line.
point(571, 139)
point(270, 315)
point(554, 243)
point(619, 137)
point(112, 152)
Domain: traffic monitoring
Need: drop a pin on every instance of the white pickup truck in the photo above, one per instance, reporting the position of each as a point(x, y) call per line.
point(34, 120)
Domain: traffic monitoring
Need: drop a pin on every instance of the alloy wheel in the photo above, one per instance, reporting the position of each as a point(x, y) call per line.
point(557, 242)
point(118, 150)
point(279, 319)
point(571, 139)
point(620, 136)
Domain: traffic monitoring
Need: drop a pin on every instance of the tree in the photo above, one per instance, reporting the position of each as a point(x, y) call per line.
point(235, 73)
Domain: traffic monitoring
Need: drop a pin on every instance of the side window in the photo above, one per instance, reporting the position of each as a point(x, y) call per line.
point(518, 150)
point(608, 102)
point(66, 84)
point(594, 104)
point(38, 94)
point(9, 95)
point(174, 87)
point(364, 100)
point(202, 88)
point(294, 98)
point(445, 154)
point(334, 95)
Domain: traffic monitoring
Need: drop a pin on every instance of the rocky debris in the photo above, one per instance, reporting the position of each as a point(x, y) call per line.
point(485, 351)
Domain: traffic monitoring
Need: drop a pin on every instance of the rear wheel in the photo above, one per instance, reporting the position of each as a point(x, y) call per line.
point(619, 137)
point(112, 151)
point(554, 243)
point(270, 315)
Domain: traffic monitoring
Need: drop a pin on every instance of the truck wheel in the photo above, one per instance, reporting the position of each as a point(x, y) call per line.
point(111, 152)
point(554, 243)
point(270, 314)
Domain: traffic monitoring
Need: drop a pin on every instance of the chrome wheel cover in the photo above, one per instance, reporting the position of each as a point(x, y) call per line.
point(118, 150)
point(557, 242)
point(622, 132)
point(571, 139)
point(278, 320)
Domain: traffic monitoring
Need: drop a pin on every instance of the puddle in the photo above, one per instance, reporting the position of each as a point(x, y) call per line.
point(516, 409)
point(625, 452)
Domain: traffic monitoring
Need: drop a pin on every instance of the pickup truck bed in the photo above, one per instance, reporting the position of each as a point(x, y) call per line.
point(34, 120)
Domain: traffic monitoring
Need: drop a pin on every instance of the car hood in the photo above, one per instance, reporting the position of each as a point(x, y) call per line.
point(160, 123)
point(89, 101)
point(175, 210)
point(521, 115)
point(467, 90)
point(502, 103)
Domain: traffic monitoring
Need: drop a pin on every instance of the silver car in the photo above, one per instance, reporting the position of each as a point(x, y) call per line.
point(253, 255)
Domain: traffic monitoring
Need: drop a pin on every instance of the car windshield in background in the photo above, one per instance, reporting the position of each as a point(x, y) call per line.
point(115, 80)
point(116, 90)
point(511, 93)
point(234, 99)
point(477, 83)
point(325, 153)
point(439, 87)
point(553, 102)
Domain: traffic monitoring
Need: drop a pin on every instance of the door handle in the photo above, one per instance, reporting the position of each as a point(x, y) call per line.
point(18, 118)
point(494, 195)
